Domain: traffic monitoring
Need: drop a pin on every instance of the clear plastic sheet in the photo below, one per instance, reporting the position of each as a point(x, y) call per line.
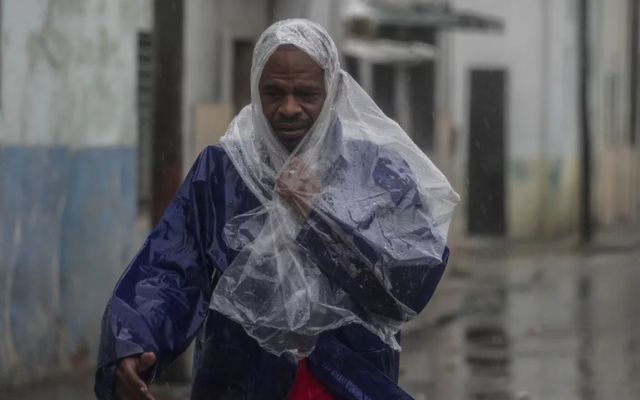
point(380, 212)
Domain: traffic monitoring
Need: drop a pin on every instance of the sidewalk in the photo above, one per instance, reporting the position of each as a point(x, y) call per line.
point(80, 387)
point(620, 239)
point(448, 299)
point(531, 321)
point(530, 283)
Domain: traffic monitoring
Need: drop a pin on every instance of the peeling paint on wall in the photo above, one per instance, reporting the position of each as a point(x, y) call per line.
point(67, 176)
point(59, 57)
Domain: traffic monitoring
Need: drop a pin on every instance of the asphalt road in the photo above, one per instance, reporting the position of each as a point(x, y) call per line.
point(535, 326)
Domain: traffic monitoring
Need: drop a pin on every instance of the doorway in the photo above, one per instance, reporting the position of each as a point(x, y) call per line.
point(242, 58)
point(487, 116)
point(422, 100)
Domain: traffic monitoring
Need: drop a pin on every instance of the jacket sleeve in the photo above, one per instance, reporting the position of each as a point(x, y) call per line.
point(389, 257)
point(162, 297)
point(349, 375)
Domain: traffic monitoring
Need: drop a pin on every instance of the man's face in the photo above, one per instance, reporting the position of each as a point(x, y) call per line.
point(292, 93)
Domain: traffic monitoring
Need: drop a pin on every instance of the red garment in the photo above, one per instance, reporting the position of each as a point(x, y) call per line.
point(306, 386)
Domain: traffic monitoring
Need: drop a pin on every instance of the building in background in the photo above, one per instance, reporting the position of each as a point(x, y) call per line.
point(614, 89)
point(490, 90)
point(513, 102)
point(401, 53)
point(104, 105)
point(68, 139)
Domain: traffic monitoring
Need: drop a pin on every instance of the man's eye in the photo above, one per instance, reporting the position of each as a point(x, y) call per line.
point(271, 93)
point(309, 96)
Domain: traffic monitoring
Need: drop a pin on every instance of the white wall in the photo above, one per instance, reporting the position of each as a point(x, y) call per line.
point(508, 51)
point(610, 72)
point(211, 26)
point(616, 164)
point(326, 13)
point(66, 71)
point(538, 50)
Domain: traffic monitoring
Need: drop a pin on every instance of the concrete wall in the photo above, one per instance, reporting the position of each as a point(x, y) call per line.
point(211, 27)
point(67, 176)
point(326, 13)
point(537, 49)
point(616, 162)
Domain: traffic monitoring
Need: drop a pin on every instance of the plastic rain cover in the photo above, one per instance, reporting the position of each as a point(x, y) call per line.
point(275, 288)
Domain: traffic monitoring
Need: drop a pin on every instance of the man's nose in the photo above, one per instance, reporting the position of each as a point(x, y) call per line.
point(290, 107)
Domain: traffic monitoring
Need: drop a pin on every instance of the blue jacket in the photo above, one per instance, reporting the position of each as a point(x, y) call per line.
point(161, 302)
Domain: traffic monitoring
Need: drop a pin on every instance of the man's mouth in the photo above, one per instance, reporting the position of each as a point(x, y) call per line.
point(292, 131)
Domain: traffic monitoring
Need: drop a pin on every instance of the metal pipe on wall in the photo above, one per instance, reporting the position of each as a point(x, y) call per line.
point(584, 121)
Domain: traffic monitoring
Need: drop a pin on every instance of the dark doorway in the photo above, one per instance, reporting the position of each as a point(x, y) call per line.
point(422, 88)
point(352, 65)
point(242, 57)
point(486, 152)
point(384, 88)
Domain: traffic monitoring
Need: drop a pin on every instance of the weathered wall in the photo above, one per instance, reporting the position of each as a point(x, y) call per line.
point(67, 176)
point(326, 13)
point(211, 27)
point(616, 162)
point(537, 49)
point(617, 176)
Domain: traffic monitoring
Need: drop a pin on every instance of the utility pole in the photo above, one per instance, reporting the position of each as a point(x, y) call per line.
point(166, 140)
point(586, 228)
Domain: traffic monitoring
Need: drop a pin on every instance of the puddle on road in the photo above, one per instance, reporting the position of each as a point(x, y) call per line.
point(539, 328)
point(486, 342)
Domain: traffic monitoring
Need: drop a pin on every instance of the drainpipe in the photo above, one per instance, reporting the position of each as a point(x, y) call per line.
point(634, 7)
point(166, 161)
point(586, 228)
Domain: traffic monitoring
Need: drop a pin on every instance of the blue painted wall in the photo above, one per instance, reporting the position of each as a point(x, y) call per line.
point(66, 232)
point(68, 133)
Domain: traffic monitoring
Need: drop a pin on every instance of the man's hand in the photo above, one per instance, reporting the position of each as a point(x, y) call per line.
point(129, 383)
point(298, 186)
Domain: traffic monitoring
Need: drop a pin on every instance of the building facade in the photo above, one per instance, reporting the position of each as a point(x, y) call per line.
point(105, 104)
point(614, 91)
point(68, 140)
point(514, 104)
point(496, 104)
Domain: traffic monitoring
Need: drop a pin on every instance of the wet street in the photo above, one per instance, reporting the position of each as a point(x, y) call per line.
point(530, 326)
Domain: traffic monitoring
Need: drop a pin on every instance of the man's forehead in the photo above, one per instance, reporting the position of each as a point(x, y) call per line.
point(291, 60)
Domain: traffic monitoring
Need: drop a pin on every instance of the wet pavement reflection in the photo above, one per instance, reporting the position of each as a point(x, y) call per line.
point(530, 327)
point(81, 387)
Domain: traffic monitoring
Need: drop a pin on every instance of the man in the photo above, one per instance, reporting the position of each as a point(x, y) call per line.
point(312, 233)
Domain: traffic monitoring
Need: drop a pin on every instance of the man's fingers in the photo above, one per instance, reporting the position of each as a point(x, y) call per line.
point(296, 163)
point(298, 186)
point(146, 361)
point(133, 384)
